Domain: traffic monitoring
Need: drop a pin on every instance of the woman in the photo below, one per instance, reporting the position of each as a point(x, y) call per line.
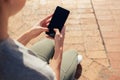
point(43, 61)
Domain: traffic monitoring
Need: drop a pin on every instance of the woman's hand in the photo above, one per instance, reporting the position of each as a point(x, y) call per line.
point(35, 31)
point(40, 27)
point(59, 40)
point(55, 63)
point(46, 21)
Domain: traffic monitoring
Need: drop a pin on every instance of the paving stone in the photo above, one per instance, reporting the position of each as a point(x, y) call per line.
point(73, 27)
point(113, 41)
point(86, 5)
point(87, 21)
point(85, 1)
point(69, 6)
point(114, 59)
point(114, 55)
point(73, 21)
point(93, 44)
point(82, 78)
point(111, 34)
point(75, 17)
point(113, 48)
point(92, 33)
point(105, 28)
point(76, 47)
point(74, 40)
point(115, 11)
point(97, 7)
point(103, 12)
point(97, 2)
point(104, 62)
point(96, 54)
point(105, 74)
point(93, 72)
point(86, 62)
point(114, 6)
point(116, 16)
point(87, 16)
point(74, 33)
point(106, 22)
point(89, 27)
point(114, 77)
point(86, 10)
point(104, 17)
point(69, 1)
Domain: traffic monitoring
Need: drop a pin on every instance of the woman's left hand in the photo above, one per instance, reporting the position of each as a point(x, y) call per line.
point(40, 27)
point(35, 31)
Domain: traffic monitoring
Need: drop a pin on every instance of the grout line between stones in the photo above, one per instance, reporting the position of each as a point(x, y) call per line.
point(99, 29)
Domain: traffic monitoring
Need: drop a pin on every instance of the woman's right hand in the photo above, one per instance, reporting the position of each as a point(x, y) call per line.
point(59, 40)
point(55, 63)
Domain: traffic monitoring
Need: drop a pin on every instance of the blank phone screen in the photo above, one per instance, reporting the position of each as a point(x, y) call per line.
point(58, 20)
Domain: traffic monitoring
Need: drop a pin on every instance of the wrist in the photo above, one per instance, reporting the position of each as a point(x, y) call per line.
point(25, 38)
point(34, 33)
point(58, 49)
point(29, 34)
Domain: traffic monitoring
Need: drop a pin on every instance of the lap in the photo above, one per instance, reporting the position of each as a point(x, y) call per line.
point(44, 49)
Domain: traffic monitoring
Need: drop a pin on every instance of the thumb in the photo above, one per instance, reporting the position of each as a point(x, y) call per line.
point(57, 31)
point(45, 29)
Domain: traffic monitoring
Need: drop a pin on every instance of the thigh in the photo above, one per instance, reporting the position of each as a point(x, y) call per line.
point(69, 65)
point(44, 49)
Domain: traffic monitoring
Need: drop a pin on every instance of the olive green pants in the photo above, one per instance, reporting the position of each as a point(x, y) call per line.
point(44, 49)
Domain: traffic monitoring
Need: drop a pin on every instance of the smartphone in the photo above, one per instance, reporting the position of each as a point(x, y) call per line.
point(58, 20)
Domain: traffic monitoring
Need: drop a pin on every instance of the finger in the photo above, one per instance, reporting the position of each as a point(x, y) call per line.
point(49, 37)
point(45, 29)
point(48, 21)
point(57, 31)
point(41, 23)
point(44, 23)
point(63, 30)
point(44, 20)
point(48, 17)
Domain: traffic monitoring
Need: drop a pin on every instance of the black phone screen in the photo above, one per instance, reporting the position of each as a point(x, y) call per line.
point(58, 20)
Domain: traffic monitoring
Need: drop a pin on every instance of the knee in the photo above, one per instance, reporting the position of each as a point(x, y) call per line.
point(72, 51)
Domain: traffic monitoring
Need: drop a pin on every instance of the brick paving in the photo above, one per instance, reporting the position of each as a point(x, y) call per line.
point(92, 29)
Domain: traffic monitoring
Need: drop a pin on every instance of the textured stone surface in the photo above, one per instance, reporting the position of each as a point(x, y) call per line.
point(96, 54)
point(108, 20)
